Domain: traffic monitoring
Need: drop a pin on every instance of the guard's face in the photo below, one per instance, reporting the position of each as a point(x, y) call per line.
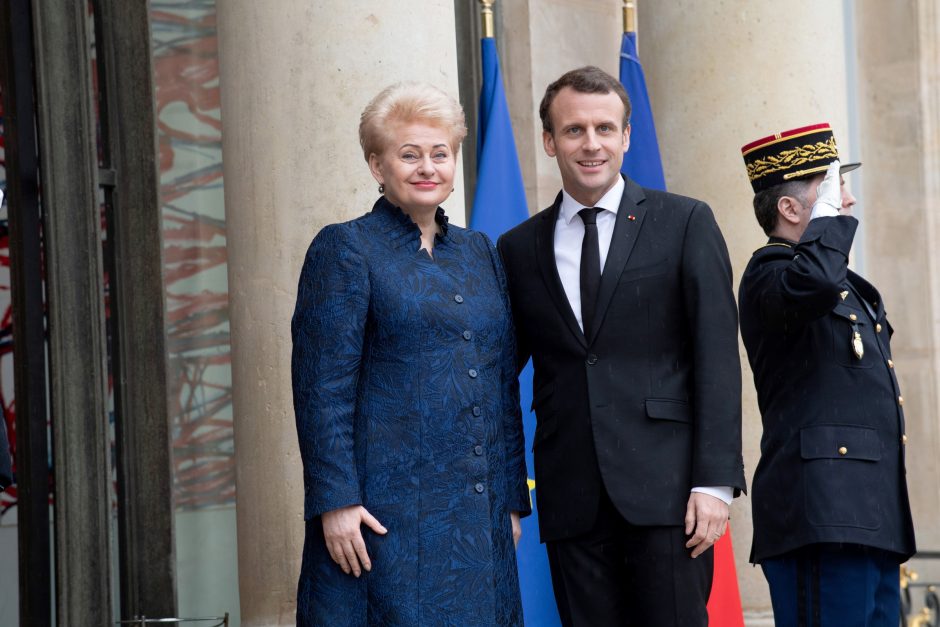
point(805, 210)
point(417, 169)
point(587, 141)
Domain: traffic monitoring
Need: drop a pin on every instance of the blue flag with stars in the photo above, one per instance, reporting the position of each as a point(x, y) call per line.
point(500, 204)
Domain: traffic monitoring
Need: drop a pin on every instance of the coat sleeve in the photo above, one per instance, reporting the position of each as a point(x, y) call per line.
point(712, 319)
point(513, 434)
point(523, 351)
point(328, 329)
point(807, 287)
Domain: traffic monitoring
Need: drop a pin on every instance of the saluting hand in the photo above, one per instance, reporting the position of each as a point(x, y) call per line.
point(707, 516)
point(343, 535)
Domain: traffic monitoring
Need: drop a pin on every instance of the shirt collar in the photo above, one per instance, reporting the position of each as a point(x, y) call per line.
point(609, 201)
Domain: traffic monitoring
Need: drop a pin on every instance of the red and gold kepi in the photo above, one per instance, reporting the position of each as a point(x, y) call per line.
point(791, 155)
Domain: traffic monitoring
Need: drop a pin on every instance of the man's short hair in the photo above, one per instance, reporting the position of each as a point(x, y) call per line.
point(765, 201)
point(585, 80)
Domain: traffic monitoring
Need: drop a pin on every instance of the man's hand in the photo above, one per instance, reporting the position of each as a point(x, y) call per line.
point(829, 193)
point(706, 519)
point(516, 528)
point(341, 530)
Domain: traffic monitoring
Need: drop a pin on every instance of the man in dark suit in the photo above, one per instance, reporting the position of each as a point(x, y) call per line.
point(622, 297)
point(831, 514)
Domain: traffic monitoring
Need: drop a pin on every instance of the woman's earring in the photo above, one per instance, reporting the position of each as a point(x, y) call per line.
point(381, 189)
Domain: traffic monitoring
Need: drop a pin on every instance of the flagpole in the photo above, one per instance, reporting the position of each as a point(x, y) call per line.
point(486, 12)
point(629, 16)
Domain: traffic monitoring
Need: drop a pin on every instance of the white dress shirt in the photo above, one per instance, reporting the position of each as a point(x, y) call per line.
point(569, 232)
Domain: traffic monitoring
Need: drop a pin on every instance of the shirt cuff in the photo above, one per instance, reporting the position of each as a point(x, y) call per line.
point(822, 210)
point(725, 493)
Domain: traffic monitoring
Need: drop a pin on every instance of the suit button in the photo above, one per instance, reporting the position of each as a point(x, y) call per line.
point(890, 364)
point(853, 317)
point(477, 411)
point(878, 328)
point(472, 373)
point(479, 488)
point(458, 298)
point(592, 359)
point(900, 400)
point(843, 450)
point(477, 450)
point(904, 438)
point(467, 335)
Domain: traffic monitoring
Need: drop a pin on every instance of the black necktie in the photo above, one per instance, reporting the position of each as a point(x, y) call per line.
point(590, 267)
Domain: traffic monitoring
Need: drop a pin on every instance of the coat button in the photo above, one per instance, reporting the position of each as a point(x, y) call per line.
point(904, 438)
point(890, 364)
point(878, 328)
point(467, 335)
point(843, 450)
point(853, 317)
point(900, 400)
point(477, 450)
point(472, 373)
point(477, 411)
point(592, 359)
point(458, 298)
point(479, 488)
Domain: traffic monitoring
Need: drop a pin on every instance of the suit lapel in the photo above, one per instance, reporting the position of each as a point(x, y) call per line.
point(630, 216)
point(545, 252)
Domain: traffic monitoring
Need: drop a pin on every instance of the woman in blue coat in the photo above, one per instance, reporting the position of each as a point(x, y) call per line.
point(406, 397)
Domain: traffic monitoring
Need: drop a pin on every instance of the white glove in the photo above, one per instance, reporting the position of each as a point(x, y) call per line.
point(829, 194)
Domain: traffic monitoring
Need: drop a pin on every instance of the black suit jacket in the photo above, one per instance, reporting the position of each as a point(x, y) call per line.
point(832, 453)
point(650, 405)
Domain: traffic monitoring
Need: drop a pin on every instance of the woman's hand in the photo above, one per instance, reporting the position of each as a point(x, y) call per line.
point(341, 530)
point(516, 527)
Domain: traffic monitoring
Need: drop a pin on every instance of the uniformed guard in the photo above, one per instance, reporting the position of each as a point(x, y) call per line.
point(831, 514)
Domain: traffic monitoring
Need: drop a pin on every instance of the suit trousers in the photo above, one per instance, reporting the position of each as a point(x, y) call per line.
point(834, 585)
point(623, 575)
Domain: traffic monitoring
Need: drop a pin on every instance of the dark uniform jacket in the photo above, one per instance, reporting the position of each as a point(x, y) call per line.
point(649, 405)
point(832, 452)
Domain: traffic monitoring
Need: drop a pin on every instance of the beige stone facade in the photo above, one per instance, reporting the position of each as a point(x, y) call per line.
point(720, 74)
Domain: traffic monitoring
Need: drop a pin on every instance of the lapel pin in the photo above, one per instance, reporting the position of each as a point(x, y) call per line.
point(844, 294)
point(631, 218)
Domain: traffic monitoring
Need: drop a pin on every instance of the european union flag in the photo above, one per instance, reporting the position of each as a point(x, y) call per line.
point(641, 162)
point(498, 205)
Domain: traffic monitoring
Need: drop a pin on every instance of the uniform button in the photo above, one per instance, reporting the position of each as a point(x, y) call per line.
point(843, 450)
point(472, 373)
point(878, 328)
point(592, 359)
point(479, 488)
point(477, 450)
point(467, 335)
point(458, 298)
point(853, 317)
point(890, 364)
point(904, 439)
point(477, 411)
point(900, 400)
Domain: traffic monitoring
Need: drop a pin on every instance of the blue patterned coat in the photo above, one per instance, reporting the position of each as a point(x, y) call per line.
point(406, 402)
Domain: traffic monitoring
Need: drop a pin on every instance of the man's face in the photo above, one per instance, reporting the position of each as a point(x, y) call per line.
point(588, 141)
point(810, 194)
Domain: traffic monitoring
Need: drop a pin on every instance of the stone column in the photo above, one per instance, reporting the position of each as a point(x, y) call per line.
point(721, 75)
point(899, 105)
point(294, 80)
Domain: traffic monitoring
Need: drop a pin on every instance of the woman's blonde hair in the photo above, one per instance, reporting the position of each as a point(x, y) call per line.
point(409, 103)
